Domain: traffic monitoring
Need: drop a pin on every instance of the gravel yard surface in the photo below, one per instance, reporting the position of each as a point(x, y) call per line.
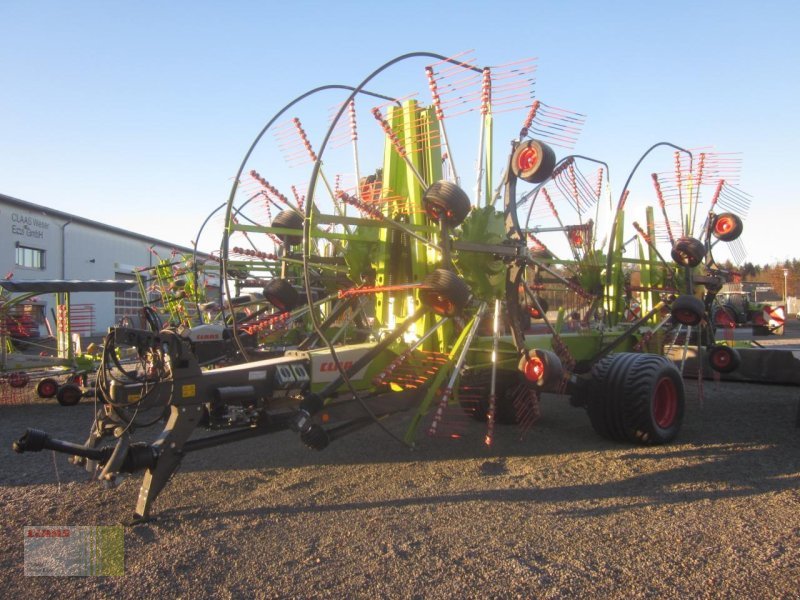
point(562, 513)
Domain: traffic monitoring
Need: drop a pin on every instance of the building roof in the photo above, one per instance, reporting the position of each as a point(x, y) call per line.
point(56, 286)
point(38, 208)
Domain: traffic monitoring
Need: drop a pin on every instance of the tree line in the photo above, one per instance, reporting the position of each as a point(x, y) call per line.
point(771, 274)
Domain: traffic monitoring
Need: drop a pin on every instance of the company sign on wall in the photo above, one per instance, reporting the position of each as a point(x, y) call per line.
point(27, 226)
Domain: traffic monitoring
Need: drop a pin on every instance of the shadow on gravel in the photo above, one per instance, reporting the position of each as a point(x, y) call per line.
point(740, 433)
point(703, 474)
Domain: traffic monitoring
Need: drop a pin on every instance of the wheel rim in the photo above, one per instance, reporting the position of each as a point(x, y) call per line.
point(441, 305)
point(724, 225)
point(686, 316)
point(18, 380)
point(48, 389)
point(534, 369)
point(528, 159)
point(70, 396)
point(721, 359)
point(723, 319)
point(665, 403)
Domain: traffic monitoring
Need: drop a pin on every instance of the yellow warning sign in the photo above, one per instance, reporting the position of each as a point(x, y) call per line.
point(188, 391)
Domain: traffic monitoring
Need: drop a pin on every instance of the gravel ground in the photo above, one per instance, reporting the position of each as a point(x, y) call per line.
point(562, 513)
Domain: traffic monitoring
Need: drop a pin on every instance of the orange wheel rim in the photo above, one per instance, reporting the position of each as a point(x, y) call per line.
point(724, 225)
point(665, 403)
point(527, 159)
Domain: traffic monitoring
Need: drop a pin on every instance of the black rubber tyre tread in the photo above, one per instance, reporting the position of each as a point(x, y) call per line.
point(69, 394)
point(640, 424)
point(543, 170)
point(604, 414)
point(441, 282)
point(282, 294)
point(690, 303)
point(688, 252)
point(288, 219)
point(446, 199)
point(735, 362)
point(733, 233)
point(622, 410)
point(505, 386)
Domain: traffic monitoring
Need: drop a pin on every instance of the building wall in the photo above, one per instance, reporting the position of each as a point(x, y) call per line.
point(74, 249)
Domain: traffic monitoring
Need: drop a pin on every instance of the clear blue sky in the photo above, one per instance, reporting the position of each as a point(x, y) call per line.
point(138, 114)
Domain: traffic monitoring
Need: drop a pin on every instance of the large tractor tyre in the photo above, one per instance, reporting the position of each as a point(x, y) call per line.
point(727, 227)
point(476, 385)
point(636, 398)
point(69, 394)
point(533, 161)
point(688, 310)
point(688, 252)
point(281, 294)
point(444, 292)
point(445, 201)
point(288, 219)
point(47, 388)
point(724, 359)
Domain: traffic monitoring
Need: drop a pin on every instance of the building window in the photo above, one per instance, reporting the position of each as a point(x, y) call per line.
point(128, 304)
point(32, 258)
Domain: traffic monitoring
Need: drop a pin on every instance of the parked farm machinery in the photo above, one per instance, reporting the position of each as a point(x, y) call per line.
point(427, 297)
point(63, 375)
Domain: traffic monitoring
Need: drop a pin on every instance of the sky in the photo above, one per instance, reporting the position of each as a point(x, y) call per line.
point(139, 114)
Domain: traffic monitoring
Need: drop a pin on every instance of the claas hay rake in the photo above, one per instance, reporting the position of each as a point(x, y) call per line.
point(408, 276)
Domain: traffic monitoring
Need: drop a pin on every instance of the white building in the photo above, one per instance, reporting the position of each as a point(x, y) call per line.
point(40, 243)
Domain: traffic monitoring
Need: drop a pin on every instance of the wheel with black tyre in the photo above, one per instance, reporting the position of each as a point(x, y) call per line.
point(18, 379)
point(47, 388)
point(727, 227)
point(535, 312)
point(474, 389)
point(724, 317)
point(288, 219)
point(69, 395)
point(281, 294)
point(533, 161)
point(445, 201)
point(688, 252)
point(636, 398)
point(444, 292)
point(724, 359)
point(315, 437)
point(543, 369)
point(688, 310)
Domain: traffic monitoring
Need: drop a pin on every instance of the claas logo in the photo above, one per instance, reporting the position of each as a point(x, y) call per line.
point(330, 366)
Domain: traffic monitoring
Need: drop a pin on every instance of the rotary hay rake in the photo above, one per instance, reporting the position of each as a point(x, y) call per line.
point(384, 287)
